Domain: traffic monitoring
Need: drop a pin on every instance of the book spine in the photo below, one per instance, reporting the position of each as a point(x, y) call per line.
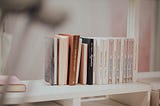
point(83, 65)
point(49, 60)
point(73, 59)
point(110, 59)
point(121, 61)
point(79, 59)
point(135, 60)
point(130, 59)
point(55, 61)
point(90, 43)
point(99, 74)
point(118, 54)
point(114, 61)
point(63, 60)
point(106, 55)
point(95, 61)
point(125, 61)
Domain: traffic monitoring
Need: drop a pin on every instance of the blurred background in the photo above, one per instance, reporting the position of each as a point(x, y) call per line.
point(30, 21)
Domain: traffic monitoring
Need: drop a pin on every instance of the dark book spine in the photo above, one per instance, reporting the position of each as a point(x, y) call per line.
point(90, 43)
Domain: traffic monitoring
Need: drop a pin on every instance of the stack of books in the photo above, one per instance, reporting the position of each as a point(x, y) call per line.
point(71, 59)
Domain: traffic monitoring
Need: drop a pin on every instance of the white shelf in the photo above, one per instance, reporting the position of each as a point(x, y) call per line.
point(154, 82)
point(38, 91)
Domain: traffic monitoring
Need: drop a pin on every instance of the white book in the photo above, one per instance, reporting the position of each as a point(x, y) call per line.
point(110, 61)
point(99, 72)
point(94, 61)
point(130, 59)
point(55, 60)
point(106, 56)
point(135, 60)
point(117, 60)
point(63, 46)
point(78, 60)
point(121, 61)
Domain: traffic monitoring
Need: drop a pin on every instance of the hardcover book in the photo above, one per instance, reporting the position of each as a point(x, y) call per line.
point(51, 62)
point(63, 51)
point(130, 59)
point(83, 65)
point(90, 43)
point(73, 57)
point(110, 61)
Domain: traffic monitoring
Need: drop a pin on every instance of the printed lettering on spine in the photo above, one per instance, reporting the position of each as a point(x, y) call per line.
point(90, 43)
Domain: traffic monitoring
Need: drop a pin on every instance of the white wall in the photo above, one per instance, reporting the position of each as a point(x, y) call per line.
point(95, 17)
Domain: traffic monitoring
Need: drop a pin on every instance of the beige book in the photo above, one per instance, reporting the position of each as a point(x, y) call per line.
point(63, 46)
point(94, 61)
point(83, 64)
point(130, 60)
point(106, 56)
point(78, 60)
point(110, 61)
point(121, 61)
point(99, 72)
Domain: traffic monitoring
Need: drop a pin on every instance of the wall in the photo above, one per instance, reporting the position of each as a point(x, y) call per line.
point(95, 17)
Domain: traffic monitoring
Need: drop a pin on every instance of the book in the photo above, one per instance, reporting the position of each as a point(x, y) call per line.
point(121, 79)
point(83, 65)
point(79, 59)
point(100, 70)
point(11, 84)
point(125, 52)
point(73, 57)
point(90, 50)
point(110, 61)
point(63, 51)
point(130, 60)
point(51, 55)
point(117, 60)
point(106, 56)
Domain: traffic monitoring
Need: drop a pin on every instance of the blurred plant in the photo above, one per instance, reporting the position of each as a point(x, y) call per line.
point(36, 12)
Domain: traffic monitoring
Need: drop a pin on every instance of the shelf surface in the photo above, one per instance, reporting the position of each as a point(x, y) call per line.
point(154, 82)
point(38, 90)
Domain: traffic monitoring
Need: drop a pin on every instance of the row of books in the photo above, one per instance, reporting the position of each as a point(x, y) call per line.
point(71, 59)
